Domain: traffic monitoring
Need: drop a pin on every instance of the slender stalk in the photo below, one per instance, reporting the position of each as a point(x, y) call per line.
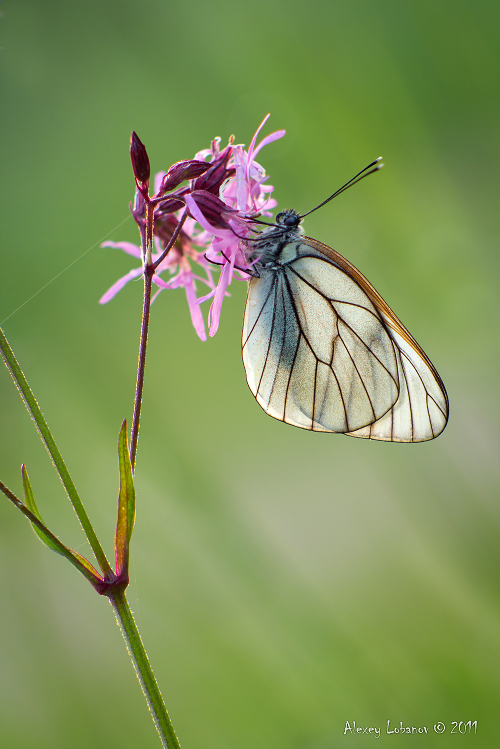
point(172, 240)
point(149, 269)
point(48, 440)
point(143, 669)
point(116, 594)
point(134, 436)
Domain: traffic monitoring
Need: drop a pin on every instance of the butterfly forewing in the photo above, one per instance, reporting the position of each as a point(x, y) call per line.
point(323, 351)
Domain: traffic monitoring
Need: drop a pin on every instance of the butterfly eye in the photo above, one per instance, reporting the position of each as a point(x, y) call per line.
point(288, 218)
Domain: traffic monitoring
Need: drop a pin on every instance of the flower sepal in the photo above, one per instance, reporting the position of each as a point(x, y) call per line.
point(218, 172)
point(213, 208)
point(180, 172)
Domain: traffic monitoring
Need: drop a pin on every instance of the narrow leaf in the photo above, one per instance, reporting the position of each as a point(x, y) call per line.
point(126, 506)
point(48, 538)
point(29, 500)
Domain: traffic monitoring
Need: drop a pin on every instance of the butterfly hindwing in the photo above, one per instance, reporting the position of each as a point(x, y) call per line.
point(421, 411)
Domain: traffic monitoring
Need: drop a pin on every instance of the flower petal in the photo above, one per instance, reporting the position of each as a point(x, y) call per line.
point(254, 139)
point(220, 292)
point(113, 290)
point(194, 308)
point(198, 215)
point(158, 180)
point(269, 139)
point(205, 298)
point(160, 282)
point(128, 247)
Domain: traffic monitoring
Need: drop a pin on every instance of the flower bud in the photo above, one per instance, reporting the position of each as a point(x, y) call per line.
point(217, 174)
point(165, 225)
point(213, 208)
point(140, 160)
point(138, 207)
point(181, 171)
point(173, 202)
point(170, 205)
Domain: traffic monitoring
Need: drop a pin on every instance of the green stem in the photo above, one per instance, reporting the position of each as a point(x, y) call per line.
point(37, 416)
point(143, 669)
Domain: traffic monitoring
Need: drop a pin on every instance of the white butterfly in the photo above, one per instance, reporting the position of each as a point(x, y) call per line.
point(323, 351)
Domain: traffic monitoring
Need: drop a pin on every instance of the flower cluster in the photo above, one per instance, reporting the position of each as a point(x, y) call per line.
point(225, 191)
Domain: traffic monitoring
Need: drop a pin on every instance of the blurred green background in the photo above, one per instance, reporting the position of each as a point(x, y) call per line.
point(284, 582)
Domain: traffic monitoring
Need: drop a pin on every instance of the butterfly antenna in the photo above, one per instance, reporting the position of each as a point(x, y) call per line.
point(373, 167)
point(257, 221)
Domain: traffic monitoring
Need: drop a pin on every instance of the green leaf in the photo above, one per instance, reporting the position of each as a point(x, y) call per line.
point(126, 506)
point(46, 536)
point(29, 500)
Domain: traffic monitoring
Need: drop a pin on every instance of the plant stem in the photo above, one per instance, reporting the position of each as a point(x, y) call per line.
point(143, 669)
point(117, 594)
point(47, 438)
point(172, 241)
point(134, 436)
point(149, 269)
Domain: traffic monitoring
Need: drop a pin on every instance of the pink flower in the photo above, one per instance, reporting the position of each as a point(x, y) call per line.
point(248, 196)
point(222, 197)
point(177, 264)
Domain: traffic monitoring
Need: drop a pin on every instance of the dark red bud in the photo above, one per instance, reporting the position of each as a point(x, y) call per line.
point(173, 202)
point(213, 208)
point(181, 171)
point(214, 177)
point(164, 228)
point(138, 207)
point(140, 160)
point(170, 205)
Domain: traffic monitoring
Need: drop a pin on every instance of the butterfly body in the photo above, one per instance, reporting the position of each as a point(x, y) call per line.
point(324, 352)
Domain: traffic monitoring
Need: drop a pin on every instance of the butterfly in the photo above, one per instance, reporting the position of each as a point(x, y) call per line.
point(323, 351)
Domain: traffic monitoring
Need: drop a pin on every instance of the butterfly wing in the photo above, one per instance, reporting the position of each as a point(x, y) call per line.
point(323, 351)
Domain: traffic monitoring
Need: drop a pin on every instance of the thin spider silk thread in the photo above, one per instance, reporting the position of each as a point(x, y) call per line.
point(63, 271)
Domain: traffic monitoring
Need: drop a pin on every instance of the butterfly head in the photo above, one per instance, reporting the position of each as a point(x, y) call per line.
point(267, 246)
point(288, 219)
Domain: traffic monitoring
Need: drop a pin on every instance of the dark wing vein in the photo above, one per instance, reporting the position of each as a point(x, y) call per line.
point(352, 304)
point(258, 316)
point(292, 366)
point(372, 353)
point(283, 341)
point(358, 372)
point(273, 288)
point(318, 360)
point(410, 406)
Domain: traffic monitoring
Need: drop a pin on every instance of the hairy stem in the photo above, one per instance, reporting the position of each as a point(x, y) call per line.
point(143, 669)
point(149, 269)
point(34, 410)
point(134, 436)
point(172, 240)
